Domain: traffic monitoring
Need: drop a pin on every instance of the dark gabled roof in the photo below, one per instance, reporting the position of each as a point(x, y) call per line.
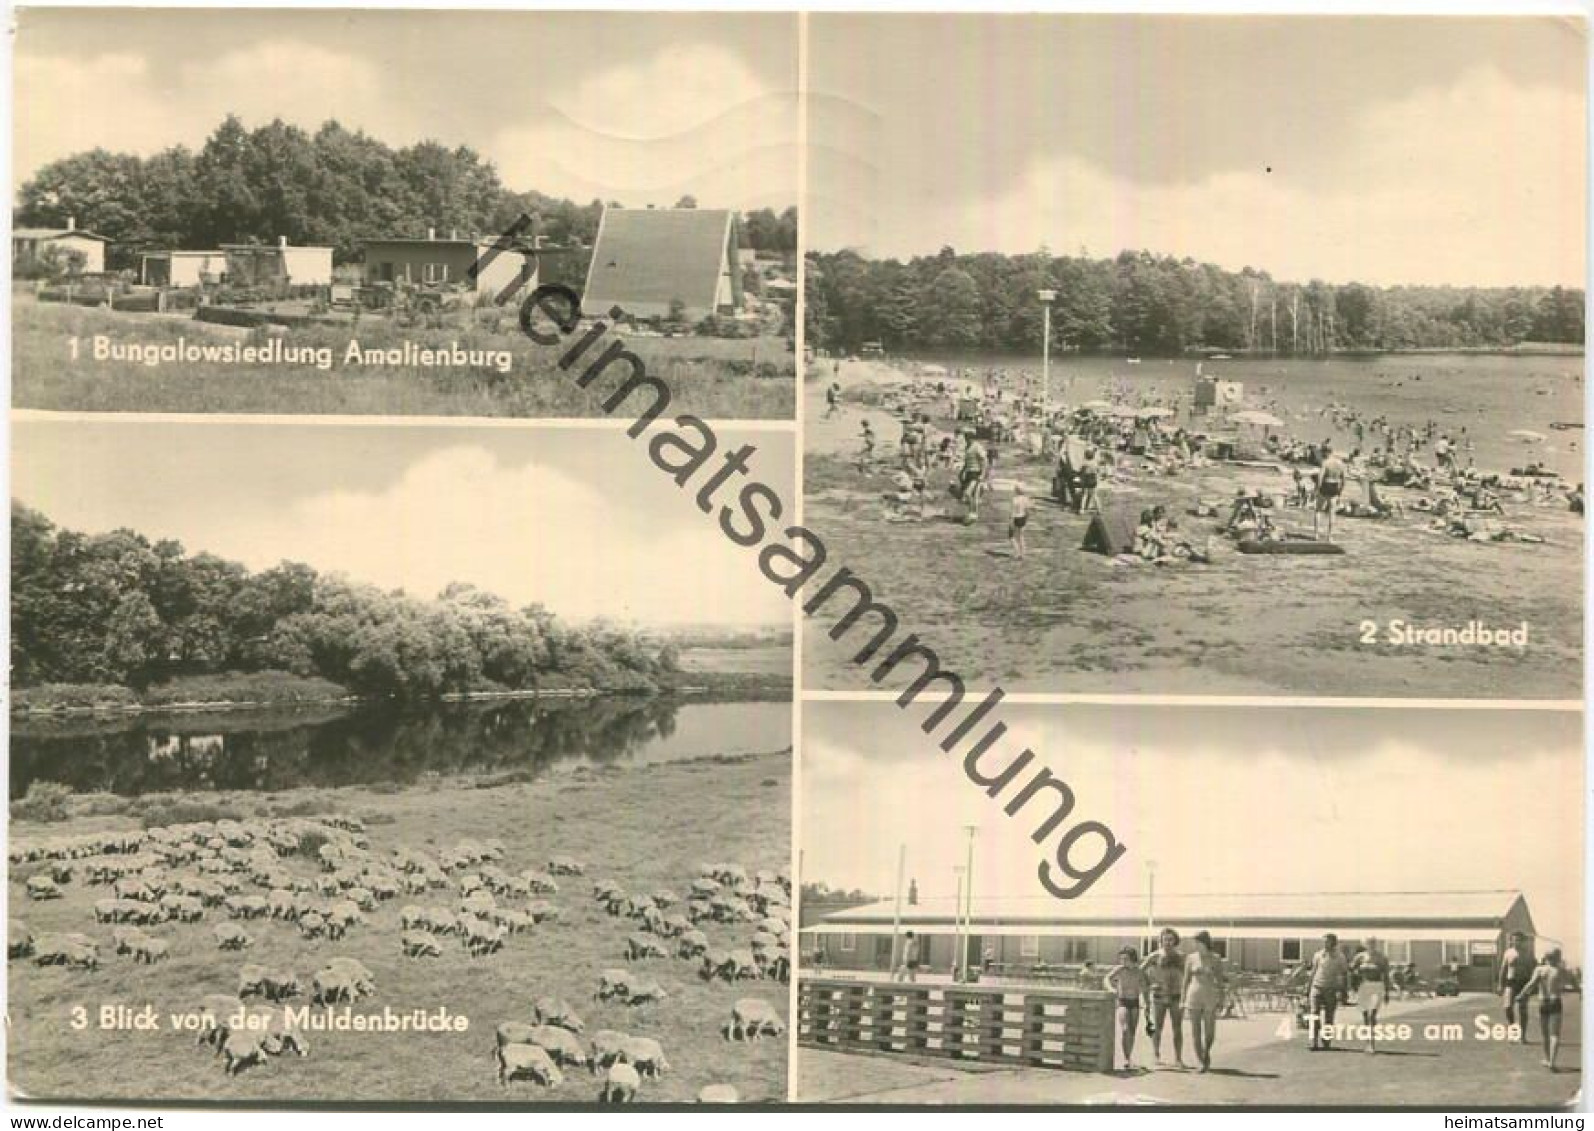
point(56, 233)
point(645, 258)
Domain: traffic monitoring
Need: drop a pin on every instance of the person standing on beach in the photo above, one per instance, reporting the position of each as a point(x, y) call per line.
point(1203, 996)
point(1164, 970)
point(1020, 519)
point(1370, 969)
point(908, 969)
point(1516, 971)
point(1551, 980)
point(1128, 983)
point(1326, 989)
point(1330, 486)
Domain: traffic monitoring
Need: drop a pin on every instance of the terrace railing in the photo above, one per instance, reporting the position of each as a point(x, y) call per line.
point(1041, 1028)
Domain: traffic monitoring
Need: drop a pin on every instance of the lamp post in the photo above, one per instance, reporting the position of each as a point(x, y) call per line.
point(968, 904)
point(1151, 897)
point(1047, 297)
point(957, 921)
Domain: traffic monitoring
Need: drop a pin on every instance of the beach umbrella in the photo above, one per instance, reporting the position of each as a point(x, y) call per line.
point(1097, 406)
point(1155, 412)
point(1527, 436)
point(1258, 418)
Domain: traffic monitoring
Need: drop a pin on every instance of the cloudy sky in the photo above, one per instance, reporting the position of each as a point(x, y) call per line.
point(578, 519)
point(1223, 799)
point(1377, 149)
point(625, 106)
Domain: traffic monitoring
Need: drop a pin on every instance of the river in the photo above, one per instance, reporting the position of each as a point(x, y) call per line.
point(283, 748)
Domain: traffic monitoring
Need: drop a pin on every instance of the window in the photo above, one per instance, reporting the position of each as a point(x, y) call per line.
point(1398, 951)
point(1076, 950)
point(1290, 950)
point(436, 273)
point(1455, 953)
point(1220, 947)
point(1483, 954)
point(1029, 946)
point(849, 941)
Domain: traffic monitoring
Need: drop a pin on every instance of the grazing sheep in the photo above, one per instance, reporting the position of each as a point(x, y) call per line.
point(613, 984)
point(645, 1055)
point(19, 940)
point(529, 1061)
point(556, 1011)
point(640, 946)
point(742, 965)
point(561, 1044)
point(541, 911)
point(752, 1018)
point(216, 1013)
point(364, 980)
point(150, 951)
point(603, 889)
point(620, 1084)
point(566, 866)
point(693, 943)
point(127, 938)
point(665, 899)
point(243, 1049)
point(718, 1094)
point(643, 991)
point(419, 944)
point(312, 925)
point(608, 1046)
point(716, 963)
point(638, 906)
point(330, 986)
point(42, 887)
point(514, 1033)
point(615, 902)
point(56, 950)
point(269, 984)
point(483, 938)
point(541, 883)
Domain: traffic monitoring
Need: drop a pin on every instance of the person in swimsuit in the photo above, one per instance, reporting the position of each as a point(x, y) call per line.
point(908, 971)
point(1164, 970)
point(971, 482)
point(1370, 971)
point(1516, 970)
point(1330, 486)
point(1015, 532)
point(1203, 996)
point(1550, 980)
point(1129, 983)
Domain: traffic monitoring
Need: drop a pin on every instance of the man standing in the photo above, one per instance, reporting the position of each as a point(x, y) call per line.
point(908, 969)
point(1330, 486)
point(1516, 971)
point(1329, 981)
point(1164, 969)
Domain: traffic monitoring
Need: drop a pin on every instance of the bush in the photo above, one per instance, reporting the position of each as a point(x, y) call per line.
point(160, 812)
point(44, 801)
point(72, 697)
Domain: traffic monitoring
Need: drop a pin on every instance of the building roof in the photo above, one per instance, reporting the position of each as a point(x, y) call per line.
point(180, 251)
point(648, 257)
point(1221, 913)
point(273, 247)
point(56, 233)
point(477, 242)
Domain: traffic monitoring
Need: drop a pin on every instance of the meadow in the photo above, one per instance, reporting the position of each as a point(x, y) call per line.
point(708, 377)
point(644, 827)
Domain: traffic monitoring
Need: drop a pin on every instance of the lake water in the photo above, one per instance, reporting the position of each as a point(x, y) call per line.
point(330, 746)
point(1488, 395)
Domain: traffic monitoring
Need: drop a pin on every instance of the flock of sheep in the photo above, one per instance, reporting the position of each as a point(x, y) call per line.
point(184, 874)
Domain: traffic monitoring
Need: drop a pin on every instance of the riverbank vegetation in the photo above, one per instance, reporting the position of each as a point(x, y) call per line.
point(123, 620)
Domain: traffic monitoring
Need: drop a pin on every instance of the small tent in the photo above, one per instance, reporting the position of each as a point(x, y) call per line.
point(1111, 532)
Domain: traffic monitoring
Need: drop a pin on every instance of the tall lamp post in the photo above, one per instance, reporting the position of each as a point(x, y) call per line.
point(1047, 297)
point(1151, 898)
point(968, 903)
point(957, 921)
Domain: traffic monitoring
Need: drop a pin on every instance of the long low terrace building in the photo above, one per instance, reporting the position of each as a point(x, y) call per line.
point(1441, 932)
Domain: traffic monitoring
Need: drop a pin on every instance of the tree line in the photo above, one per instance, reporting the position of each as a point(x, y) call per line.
point(119, 609)
point(334, 188)
point(1156, 304)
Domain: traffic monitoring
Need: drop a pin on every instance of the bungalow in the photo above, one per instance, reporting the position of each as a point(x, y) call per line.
point(33, 241)
point(181, 268)
point(1263, 933)
point(648, 260)
point(433, 260)
point(253, 265)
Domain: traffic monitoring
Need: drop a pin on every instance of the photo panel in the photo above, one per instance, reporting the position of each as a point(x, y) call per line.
point(1198, 355)
point(1215, 905)
point(343, 212)
point(416, 751)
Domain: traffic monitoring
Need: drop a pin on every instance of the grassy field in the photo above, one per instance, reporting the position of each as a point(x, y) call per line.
point(1064, 620)
point(762, 661)
point(699, 372)
point(719, 809)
